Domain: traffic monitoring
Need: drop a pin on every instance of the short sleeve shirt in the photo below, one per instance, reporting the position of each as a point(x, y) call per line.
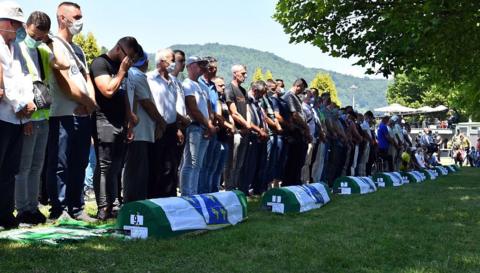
point(382, 136)
point(238, 96)
point(165, 96)
point(62, 105)
point(138, 89)
point(294, 103)
point(192, 88)
point(111, 109)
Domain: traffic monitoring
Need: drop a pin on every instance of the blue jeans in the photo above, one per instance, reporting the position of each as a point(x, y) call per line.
point(68, 151)
point(219, 164)
point(92, 162)
point(27, 182)
point(193, 156)
point(209, 164)
point(273, 164)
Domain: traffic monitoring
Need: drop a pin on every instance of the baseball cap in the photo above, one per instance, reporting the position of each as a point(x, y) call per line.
point(196, 59)
point(141, 61)
point(11, 10)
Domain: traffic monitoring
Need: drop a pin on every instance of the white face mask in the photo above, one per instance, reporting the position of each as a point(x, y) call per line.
point(76, 27)
point(171, 67)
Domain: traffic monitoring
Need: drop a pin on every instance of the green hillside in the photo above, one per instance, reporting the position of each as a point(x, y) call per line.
point(370, 92)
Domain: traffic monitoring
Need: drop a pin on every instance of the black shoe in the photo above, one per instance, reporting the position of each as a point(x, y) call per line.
point(9, 222)
point(27, 217)
point(84, 217)
point(55, 214)
point(102, 214)
point(41, 219)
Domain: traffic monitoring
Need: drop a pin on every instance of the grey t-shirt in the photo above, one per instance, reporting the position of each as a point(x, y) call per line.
point(294, 103)
point(62, 105)
point(138, 89)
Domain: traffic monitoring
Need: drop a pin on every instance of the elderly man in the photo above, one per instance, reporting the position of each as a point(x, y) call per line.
point(236, 98)
point(199, 131)
point(163, 156)
point(70, 123)
point(16, 104)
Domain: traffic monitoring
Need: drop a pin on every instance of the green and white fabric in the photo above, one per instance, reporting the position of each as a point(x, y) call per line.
point(64, 232)
point(167, 217)
point(414, 176)
point(346, 185)
point(456, 167)
point(430, 174)
point(441, 170)
point(451, 169)
point(389, 179)
point(296, 198)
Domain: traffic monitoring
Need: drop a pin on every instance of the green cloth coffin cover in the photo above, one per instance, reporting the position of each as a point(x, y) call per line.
point(451, 169)
point(296, 198)
point(167, 217)
point(346, 185)
point(441, 170)
point(383, 180)
point(430, 174)
point(414, 176)
point(456, 167)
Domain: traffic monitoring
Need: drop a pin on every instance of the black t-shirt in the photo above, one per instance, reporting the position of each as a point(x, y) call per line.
point(110, 109)
point(237, 95)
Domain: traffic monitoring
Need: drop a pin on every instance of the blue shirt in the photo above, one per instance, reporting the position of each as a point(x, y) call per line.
point(212, 92)
point(382, 134)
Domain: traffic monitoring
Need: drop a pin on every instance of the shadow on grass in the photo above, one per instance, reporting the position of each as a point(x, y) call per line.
point(427, 227)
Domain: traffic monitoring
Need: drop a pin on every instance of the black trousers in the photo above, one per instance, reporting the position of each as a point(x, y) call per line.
point(110, 149)
point(297, 152)
point(137, 171)
point(371, 159)
point(383, 153)
point(164, 165)
point(10, 151)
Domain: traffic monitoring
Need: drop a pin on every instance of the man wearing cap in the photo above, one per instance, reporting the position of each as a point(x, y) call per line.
point(137, 164)
point(384, 142)
point(15, 106)
point(70, 124)
point(199, 131)
point(163, 156)
point(109, 71)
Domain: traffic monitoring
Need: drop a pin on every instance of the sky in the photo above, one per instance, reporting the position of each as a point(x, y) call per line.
point(159, 24)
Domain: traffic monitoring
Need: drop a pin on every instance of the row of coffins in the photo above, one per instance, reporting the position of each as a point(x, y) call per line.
point(168, 217)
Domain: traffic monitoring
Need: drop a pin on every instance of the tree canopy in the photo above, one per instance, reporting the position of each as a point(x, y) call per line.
point(439, 38)
point(89, 46)
point(324, 83)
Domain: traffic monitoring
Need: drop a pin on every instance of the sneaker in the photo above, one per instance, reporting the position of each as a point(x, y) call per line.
point(27, 217)
point(85, 217)
point(41, 219)
point(9, 222)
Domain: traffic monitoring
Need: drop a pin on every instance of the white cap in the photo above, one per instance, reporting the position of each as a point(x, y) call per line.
point(196, 59)
point(11, 10)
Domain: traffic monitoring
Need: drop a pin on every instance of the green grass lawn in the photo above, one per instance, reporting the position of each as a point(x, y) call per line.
point(428, 227)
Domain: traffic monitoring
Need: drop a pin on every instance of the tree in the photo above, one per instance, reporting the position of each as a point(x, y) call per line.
point(89, 46)
point(258, 75)
point(324, 83)
point(439, 38)
point(268, 75)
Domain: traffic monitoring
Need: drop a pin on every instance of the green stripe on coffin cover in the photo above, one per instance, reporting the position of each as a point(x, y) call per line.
point(414, 176)
point(430, 174)
point(455, 167)
point(167, 217)
point(296, 198)
point(389, 179)
point(441, 170)
point(352, 184)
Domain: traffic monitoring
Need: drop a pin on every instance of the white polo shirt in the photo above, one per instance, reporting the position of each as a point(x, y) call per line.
point(192, 88)
point(165, 95)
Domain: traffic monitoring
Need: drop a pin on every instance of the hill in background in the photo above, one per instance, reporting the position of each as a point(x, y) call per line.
point(369, 94)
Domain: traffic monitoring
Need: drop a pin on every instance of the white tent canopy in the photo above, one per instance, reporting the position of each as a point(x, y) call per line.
point(395, 108)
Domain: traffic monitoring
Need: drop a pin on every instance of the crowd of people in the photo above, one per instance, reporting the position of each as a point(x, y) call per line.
point(157, 136)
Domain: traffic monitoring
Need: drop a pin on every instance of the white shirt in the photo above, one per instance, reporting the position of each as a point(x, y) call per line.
point(181, 109)
point(366, 128)
point(138, 89)
point(18, 86)
point(192, 88)
point(165, 96)
point(310, 118)
point(420, 160)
